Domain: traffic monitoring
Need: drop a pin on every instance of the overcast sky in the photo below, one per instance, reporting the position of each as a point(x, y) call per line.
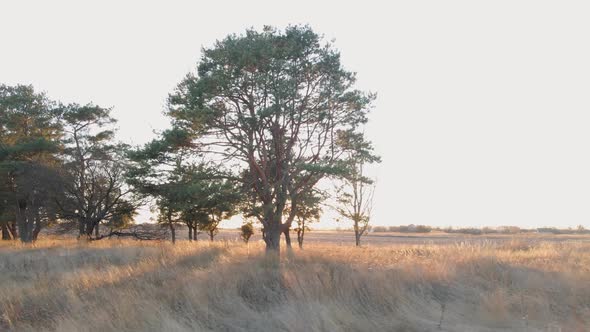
point(483, 109)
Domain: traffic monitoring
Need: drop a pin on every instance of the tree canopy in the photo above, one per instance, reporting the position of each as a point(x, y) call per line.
point(58, 163)
point(93, 170)
point(273, 104)
point(30, 139)
point(262, 120)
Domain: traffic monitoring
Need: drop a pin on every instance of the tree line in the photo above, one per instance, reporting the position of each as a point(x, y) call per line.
point(267, 118)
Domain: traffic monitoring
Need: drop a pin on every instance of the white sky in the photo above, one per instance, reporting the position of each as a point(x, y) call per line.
point(483, 114)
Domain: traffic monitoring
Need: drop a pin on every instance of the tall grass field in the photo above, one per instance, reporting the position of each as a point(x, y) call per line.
point(115, 285)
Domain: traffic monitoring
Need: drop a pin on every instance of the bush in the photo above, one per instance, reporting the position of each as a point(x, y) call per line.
point(552, 230)
point(510, 230)
point(379, 229)
point(423, 229)
point(489, 230)
point(247, 230)
point(470, 231)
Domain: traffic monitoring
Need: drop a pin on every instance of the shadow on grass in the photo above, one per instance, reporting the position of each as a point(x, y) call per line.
point(38, 307)
point(27, 263)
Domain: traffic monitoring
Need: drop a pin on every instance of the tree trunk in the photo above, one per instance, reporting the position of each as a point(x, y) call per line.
point(287, 225)
point(81, 228)
point(90, 227)
point(190, 233)
point(97, 230)
point(5, 232)
point(357, 238)
point(22, 219)
point(301, 234)
point(195, 233)
point(173, 231)
point(211, 235)
point(272, 237)
point(37, 228)
point(287, 238)
point(13, 230)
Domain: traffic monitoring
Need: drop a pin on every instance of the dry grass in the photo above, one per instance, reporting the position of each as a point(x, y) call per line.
point(128, 286)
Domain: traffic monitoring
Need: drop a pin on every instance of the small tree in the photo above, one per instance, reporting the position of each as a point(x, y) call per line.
point(168, 215)
point(157, 172)
point(122, 219)
point(246, 231)
point(209, 226)
point(219, 200)
point(184, 189)
point(193, 218)
point(355, 195)
point(308, 210)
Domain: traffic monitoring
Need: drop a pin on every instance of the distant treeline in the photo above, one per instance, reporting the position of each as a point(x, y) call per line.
point(403, 229)
point(478, 231)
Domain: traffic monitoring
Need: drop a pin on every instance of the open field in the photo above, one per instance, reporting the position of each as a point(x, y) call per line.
point(388, 238)
point(516, 284)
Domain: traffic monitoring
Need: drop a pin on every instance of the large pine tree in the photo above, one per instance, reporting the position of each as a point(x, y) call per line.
point(271, 105)
point(30, 139)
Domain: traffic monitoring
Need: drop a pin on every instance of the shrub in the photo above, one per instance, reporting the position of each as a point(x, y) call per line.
point(552, 230)
point(489, 230)
point(509, 230)
point(470, 231)
point(423, 229)
point(246, 231)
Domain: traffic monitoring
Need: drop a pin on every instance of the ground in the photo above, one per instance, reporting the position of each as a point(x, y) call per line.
point(424, 283)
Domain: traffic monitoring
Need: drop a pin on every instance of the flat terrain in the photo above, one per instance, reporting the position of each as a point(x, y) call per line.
point(388, 238)
point(422, 283)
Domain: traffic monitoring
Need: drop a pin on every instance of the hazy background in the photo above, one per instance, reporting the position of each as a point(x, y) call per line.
point(483, 110)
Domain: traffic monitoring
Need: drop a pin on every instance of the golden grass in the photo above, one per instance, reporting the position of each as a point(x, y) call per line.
point(111, 285)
